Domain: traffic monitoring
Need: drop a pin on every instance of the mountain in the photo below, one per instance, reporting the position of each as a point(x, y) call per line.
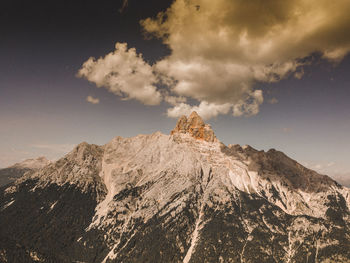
point(10, 174)
point(342, 178)
point(183, 197)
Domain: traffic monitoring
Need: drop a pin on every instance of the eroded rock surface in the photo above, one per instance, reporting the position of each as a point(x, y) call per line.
point(195, 126)
point(181, 198)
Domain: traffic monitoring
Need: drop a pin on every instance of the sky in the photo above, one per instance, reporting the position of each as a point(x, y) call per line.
point(271, 74)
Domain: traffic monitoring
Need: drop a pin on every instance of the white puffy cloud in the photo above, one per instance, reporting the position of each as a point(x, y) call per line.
point(92, 100)
point(244, 107)
point(204, 109)
point(174, 100)
point(221, 50)
point(255, 32)
point(205, 80)
point(249, 107)
point(124, 73)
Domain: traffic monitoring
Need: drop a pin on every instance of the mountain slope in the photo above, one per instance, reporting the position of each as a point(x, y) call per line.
point(179, 198)
point(10, 174)
point(343, 179)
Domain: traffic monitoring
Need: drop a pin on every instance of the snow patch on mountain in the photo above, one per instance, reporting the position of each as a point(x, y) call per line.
point(194, 237)
point(7, 205)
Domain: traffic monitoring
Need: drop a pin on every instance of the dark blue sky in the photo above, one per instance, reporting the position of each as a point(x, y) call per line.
point(43, 110)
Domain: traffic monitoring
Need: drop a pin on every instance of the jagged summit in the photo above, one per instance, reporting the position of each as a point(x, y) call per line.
point(195, 126)
point(184, 197)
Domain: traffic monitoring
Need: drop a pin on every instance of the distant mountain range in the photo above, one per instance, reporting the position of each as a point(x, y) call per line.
point(342, 178)
point(184, 197)
point(12, 173)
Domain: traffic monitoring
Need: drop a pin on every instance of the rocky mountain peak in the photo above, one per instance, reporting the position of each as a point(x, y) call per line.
point(177, 198)
point(195, 126)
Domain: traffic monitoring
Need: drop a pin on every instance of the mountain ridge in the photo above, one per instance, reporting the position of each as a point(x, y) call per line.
point(186, 197)
point(13, 172)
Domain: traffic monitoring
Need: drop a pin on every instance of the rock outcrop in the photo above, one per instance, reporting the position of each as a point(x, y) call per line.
point(195, 126)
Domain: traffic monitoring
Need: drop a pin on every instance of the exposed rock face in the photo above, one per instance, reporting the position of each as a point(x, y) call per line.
point(195, 126)
point(178, 198)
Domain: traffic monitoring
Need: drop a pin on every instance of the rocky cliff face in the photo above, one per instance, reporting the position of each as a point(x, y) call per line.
point(194, 126)
point(179, 198)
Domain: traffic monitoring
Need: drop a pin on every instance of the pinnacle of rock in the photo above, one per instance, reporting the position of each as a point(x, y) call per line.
point(195, 126)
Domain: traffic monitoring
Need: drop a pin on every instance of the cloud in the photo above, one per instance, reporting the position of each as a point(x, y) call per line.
point(204, 109)
point(92, 100)
point(299, 74)
point(124, 73)
point(173, 100)
point(221, 50)
point(250, 106)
